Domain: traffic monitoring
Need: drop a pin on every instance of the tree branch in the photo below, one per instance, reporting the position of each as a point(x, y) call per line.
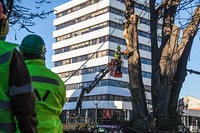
point(168, 19)
point(190, 31)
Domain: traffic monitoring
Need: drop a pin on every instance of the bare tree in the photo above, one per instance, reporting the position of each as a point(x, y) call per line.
point(169, 61)
point(24, 16)
point(134, 68)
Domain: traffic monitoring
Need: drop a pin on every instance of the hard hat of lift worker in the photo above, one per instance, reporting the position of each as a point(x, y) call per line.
point(118, 47)
point(33, 44)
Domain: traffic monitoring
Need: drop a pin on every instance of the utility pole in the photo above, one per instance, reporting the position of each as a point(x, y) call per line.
point(96, 116)
point(96, 109)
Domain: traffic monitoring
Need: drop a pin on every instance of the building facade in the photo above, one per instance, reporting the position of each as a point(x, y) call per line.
point(86, 35)
point(191, 114)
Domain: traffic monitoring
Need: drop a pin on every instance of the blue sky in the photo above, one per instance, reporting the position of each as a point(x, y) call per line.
point(45, 28)
point(191, 85)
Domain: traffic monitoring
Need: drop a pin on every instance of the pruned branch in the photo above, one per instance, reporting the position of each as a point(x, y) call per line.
point(129, 4)
point(168, 18)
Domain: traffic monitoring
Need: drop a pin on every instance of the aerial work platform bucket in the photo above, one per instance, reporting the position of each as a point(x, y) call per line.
point(113, 71)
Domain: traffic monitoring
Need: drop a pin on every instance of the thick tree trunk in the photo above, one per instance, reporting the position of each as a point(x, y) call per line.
point(184, 51)
point(168, 66)
point(169, 61)
point(134, 67)
point(170, 75)
point(137, 90)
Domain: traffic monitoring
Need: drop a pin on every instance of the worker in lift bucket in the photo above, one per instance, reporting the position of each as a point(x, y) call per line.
point(117, 57)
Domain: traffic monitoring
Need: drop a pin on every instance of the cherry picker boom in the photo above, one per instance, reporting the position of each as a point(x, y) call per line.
point(111, 67)
point(88, 89)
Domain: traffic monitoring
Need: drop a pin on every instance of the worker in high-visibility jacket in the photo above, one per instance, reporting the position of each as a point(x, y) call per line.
point(117, 57)
point(49, 88)
point(17, 98)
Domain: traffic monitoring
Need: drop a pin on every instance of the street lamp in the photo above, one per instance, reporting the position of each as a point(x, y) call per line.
point(125, 114)
point(96, 107)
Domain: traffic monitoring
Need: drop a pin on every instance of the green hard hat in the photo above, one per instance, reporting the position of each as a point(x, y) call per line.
point(33, 44)
point(118, 47)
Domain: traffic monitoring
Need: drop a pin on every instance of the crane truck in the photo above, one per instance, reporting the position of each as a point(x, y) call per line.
point(82, 124)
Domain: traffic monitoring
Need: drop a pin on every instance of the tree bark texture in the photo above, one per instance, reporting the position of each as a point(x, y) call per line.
point(169, 61)
point(134, 67)
point(169, 75)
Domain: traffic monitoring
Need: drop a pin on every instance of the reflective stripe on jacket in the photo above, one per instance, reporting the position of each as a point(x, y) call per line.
point(7, 123)
point(117, 54)
point(51, 95)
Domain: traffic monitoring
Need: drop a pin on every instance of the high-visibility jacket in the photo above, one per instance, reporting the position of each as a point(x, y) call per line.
point(117, 54)
point(51, 96)
point(7, 123)
point(15, 88)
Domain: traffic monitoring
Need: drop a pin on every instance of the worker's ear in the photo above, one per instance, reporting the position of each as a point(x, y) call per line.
point(43, 56)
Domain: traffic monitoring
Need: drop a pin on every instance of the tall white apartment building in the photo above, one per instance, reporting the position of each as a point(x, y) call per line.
point(87, 33)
